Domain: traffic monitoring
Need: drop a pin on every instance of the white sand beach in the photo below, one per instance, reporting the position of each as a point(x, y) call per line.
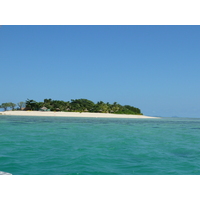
point(72, 114)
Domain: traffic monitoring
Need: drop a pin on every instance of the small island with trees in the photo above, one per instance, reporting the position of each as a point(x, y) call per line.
point(75, 105)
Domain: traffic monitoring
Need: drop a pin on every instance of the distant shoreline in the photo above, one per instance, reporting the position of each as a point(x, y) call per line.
point(73, 114)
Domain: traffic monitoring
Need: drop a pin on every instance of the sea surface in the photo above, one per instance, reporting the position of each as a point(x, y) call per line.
point(99, 146)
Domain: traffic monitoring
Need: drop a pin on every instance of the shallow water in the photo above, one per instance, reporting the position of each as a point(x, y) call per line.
point(99, 146)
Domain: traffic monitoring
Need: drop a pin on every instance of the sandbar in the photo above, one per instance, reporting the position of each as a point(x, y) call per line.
point(72, 114)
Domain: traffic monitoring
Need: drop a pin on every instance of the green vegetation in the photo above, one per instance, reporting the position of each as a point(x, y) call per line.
point(75, 105)
point(81, 105)
point(5, 106)
point(21, 105)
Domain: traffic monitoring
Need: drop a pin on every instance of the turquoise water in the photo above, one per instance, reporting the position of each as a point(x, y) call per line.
point(95, 146)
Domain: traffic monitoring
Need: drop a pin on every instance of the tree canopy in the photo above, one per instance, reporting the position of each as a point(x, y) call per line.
point(7, 105)
point(82, 105)
point(75, 105)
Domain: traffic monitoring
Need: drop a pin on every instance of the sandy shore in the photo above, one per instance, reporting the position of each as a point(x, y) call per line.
point(72, 114)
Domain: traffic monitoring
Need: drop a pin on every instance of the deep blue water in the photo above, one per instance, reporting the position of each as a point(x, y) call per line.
point(96, 146)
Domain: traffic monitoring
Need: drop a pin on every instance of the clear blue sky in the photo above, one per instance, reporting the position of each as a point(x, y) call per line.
point(154, 68)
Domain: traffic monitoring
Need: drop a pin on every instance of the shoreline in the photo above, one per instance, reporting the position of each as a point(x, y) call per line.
point(74, 114)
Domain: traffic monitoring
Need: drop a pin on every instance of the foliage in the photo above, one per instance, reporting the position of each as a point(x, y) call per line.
point(76, 105)
point(31, 105)
point(81, 105)
point(12, 105)
point(5, 106)
point(21, 104)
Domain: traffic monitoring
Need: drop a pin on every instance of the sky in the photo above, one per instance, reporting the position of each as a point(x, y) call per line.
point(154, 68)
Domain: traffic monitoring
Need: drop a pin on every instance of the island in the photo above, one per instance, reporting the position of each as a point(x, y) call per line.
point(73, 108)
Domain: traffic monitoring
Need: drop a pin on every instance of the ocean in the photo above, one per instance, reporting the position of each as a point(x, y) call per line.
point(99, 146)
